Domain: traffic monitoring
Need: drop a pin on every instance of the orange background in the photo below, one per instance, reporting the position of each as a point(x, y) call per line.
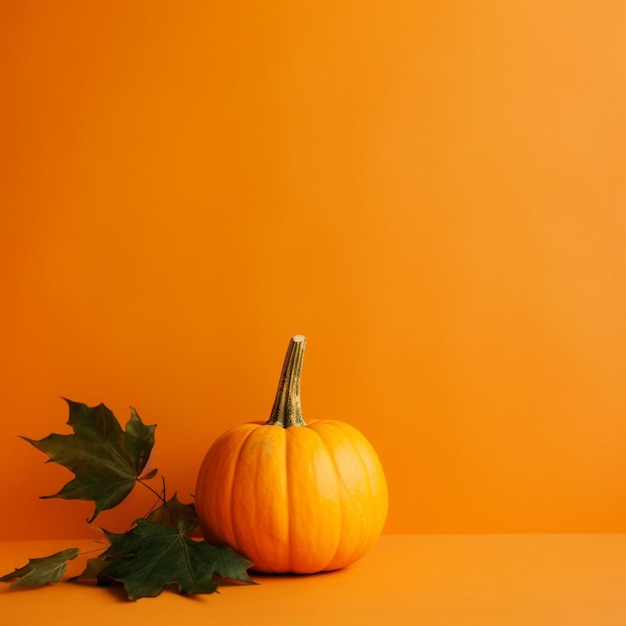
point(433, 192)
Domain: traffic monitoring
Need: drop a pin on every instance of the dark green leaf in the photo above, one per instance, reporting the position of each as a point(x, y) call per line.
point(138, 440)
point(92, 569)
point(37, 572)
point(151, 474)
point(175, 514)
point(152, 556)
point(105, 459)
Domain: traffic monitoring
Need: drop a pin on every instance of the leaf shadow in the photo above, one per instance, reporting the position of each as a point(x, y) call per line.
point(290, 575)
point(115, 589)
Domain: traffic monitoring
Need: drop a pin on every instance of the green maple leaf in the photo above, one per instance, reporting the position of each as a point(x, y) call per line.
point(92, 569)
point(152, 556)
point(106, 460)
point(37, 572)
point(175, 514)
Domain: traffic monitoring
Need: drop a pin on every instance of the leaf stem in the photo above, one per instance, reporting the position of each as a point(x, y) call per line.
point(154, 491)
point(92, 551)
point(161, 496)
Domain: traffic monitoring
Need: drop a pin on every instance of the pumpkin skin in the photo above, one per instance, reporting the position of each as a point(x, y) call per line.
point(291, 496)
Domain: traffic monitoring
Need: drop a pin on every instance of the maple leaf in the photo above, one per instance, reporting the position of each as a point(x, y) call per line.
point(106, 460)
point(92, 569)
point(152, 556)
point(175, 514)
point(37, 572)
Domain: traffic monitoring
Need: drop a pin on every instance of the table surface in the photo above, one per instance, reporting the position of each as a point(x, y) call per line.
point(429, 580)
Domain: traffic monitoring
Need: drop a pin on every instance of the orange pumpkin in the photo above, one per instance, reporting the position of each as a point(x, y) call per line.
point(292, 496)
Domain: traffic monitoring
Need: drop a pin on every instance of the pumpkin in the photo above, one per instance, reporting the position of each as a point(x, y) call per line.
point(292, 496)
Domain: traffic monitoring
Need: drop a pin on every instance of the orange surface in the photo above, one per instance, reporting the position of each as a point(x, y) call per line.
point(432, 192)
point(481, 580)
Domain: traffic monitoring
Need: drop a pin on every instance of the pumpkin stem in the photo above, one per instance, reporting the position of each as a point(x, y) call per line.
point(287, 410)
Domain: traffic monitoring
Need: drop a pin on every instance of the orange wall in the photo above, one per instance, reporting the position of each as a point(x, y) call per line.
point(433, 192)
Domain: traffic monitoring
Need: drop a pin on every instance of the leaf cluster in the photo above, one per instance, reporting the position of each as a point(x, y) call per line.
point(158, 550)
